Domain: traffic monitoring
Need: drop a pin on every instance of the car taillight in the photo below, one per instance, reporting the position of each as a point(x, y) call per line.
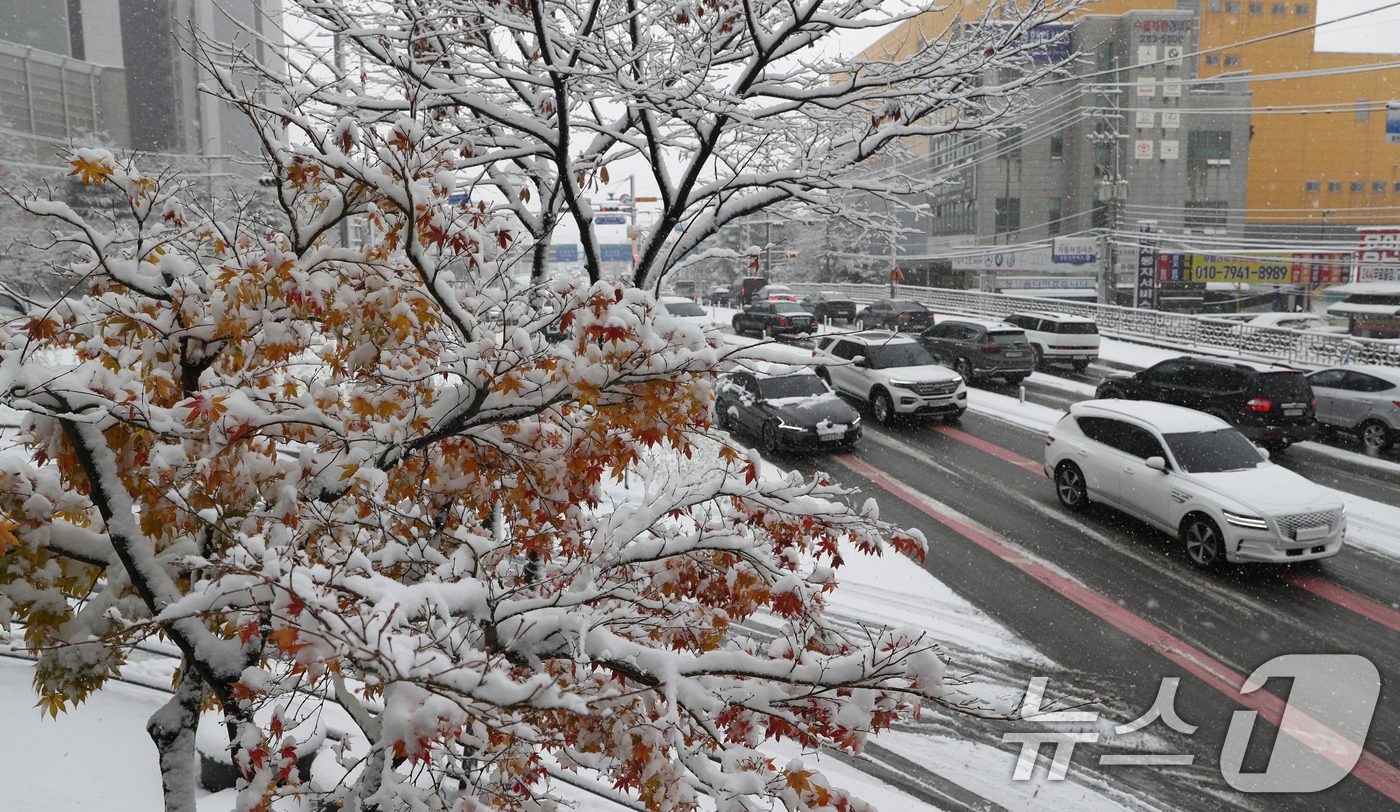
point(782, 320)
point(1049, 440)
point(1259, 405)
point(1312, 404)
point(991, 349)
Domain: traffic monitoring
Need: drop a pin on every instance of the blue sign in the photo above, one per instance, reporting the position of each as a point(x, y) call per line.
point(459, 198)
point(610, 220)
point(620, 252)
point(1050, 42)
point(566, 253)
point(1146, 297)
point(1392, 125)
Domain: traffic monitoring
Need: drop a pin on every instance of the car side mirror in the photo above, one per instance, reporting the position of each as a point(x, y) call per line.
point(1157, 463)
point(862, 362)
point(1263, 452)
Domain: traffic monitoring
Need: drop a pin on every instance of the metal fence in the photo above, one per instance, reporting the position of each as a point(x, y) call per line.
point(1176, 330)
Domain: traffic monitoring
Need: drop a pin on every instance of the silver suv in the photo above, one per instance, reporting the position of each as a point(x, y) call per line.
point(891, 372)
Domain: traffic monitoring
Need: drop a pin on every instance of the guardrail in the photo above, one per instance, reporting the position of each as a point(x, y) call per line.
point(1176, 329)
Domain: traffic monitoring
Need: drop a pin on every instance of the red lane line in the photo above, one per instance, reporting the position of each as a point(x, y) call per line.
point(1378, 774)
point(1345, 598)
point(1342, 597)
point(995, 450)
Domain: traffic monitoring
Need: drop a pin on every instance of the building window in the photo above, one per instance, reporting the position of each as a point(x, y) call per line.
point(1104, 57)
point(1208, 145)
point(1396, 187)
point(1334, 186)
point(1358, 186)
point(1205, 214)
point(1302, 9)
point(1278, 8)
point(1054, 225)
point(1232, 7)
point(1377, 187)
point(1232, 60)
point(1099, 218)
point(1212, 59)
point(1009, 145)
point(1363, 109)
point(1057, 142)
point(1212, 5)
point(1313, 186)
point(1008, 215)
point(1256, 8)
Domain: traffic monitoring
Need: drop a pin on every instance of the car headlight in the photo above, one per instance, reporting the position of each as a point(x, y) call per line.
point(856, 422)
point(1253, 522)
point(904, 384)
point(783, 425)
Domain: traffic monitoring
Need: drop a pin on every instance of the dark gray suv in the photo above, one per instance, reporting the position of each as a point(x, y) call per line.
point(977, 349)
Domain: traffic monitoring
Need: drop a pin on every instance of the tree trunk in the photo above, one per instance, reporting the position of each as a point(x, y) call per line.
point(173, 729)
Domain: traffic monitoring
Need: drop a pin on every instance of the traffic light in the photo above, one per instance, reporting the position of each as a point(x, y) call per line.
point(792, 255)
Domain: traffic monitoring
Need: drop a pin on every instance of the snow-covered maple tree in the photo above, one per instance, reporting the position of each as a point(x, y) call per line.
point(390, 477)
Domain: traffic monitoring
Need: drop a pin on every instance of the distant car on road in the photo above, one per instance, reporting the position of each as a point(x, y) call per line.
point(1361, 399)
point(786, 412)
point(1271, 405)
point(1059, 337)
point(775, 293)
point(980, 349)
point(891, 372)
point(1193, 476)
point(768, 319)
point(719, 295)
point(742, 291)
point(829, 305)
point(685, 308)
point(895, 314)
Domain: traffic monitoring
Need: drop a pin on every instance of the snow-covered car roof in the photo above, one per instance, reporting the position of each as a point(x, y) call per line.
point(1391, 374)
point(880, 337)
point(989, 324)
point(676, 299)
point(1165, 417)
point(1049, 314)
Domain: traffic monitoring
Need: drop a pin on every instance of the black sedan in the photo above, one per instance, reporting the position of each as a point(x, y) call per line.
point(786, 412)
point(767, 319)
point(895, 314)
point(828, 305)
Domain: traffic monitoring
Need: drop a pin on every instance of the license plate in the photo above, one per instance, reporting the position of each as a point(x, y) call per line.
point(1292, 412)
point(833, 433)
point(1015, 355)
point(827, 438)
point(1081, 358)
point(1310, 533)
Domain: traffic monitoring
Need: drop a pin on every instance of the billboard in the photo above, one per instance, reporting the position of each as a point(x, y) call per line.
point(1075, 250)
point(1379, 260)
point(1146, 297)
point(1264, 269)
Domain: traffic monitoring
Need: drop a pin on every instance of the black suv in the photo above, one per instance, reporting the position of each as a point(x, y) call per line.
point(1271, 405)
point(742, 291)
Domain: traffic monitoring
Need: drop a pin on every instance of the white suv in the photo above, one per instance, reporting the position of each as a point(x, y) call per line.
point(891, 372)
point(1194, 476)
point(1058, 337)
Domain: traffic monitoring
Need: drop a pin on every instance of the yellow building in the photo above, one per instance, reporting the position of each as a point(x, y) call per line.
point(1318, 154)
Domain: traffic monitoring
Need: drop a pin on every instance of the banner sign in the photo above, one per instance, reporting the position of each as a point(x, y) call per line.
point(1146, 297)
point(1076, 250)
point(1380, 250)
point(1265, 269)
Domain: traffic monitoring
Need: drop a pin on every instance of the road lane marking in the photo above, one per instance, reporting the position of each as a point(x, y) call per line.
point(993, 449)
point(1344, 598)
point(1376, 773)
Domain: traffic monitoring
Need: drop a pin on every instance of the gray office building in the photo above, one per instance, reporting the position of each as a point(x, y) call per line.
point(1128, 135)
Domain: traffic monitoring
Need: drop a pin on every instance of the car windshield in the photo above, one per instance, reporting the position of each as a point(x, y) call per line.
point(791, 386)
point(1007, 338)
point(787, 307)
point(899, 355)
point(684, 309)
point(1207, 452)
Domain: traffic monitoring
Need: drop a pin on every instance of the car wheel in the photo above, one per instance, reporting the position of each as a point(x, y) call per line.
point(1037, 356)
point(1375, 436)
point(964, 368)
point(1070, 486)
point(1204, 543)
point(722, 419)
point(883, 407)
point(769, 439)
